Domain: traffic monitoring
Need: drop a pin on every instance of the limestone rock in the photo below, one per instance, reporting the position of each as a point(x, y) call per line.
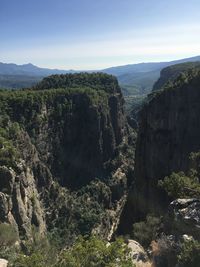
point(3, 263)
point(138, 254)
point(185, 216)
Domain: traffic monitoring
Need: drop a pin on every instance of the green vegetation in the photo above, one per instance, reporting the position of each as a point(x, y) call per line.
point(130, 90)
point(85, 252)
point(97, 81)
point(25, 107)
point(8, 133)
point(190, 77)
point(133, 104)
point(179, 185)
point(171, 73)
point(97, 253)
point(8, 235)
point(8, 238)
point(139, 83)
point(80, 211)
point(190, 254)
point(18, 81)
point(145, 231)
point(39, 251)
point(61, 94)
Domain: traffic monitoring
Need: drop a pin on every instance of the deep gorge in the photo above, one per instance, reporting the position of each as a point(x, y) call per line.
point(71, 164)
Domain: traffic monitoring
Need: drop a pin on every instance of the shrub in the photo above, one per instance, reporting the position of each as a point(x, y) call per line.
point(144, 232)
point(86, 252)
point(97, 253)
point(190, 254)
point(178, 185)
point(8, 235)
point(37, 252)
point(8, 238)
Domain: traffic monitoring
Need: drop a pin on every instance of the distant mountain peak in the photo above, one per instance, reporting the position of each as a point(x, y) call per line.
point(29, 64)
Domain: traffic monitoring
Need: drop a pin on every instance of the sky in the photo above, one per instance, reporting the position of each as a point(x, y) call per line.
point(95, 34)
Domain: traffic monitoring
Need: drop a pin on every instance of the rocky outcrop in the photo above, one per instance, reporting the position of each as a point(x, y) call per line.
point(138, 254)
point(184, 217)
point(20, 202)
point(181, 226)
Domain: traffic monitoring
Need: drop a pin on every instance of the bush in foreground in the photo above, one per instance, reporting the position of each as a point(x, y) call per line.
point(90, 252)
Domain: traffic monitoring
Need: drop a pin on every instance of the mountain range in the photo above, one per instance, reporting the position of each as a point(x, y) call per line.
point(28, 70)
point(135, 79)
point(140, 78)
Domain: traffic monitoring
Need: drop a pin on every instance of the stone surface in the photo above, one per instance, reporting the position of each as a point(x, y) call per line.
point(138, 254)
point(185, 217)
point(3, 263)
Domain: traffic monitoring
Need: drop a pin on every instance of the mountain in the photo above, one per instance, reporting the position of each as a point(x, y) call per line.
point(140, 78)
point(28, 70)
point(14, 76)
point(134, 79)
point(170, 73)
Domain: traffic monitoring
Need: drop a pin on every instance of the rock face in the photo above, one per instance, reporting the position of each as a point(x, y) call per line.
point(70, 166)
point(19, 197)
point(185, 217)
point(169, 131)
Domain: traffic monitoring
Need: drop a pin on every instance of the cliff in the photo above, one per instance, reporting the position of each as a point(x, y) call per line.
point(169, 130)
point(171, 73)
point(63, 156)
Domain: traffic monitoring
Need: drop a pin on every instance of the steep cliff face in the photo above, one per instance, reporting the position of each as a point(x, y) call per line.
point(20, 202)
point(171, 73)
point(169, 131)
point(63, 156)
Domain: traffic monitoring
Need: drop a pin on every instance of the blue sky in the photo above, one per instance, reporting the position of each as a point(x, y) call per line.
point(93, 34)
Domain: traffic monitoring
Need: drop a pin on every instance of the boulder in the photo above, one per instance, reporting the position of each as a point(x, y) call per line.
point(138, 254)
point(3, 263)
point(185, 217)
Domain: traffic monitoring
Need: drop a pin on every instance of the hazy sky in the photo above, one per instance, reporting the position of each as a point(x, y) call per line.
point(93, 34)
